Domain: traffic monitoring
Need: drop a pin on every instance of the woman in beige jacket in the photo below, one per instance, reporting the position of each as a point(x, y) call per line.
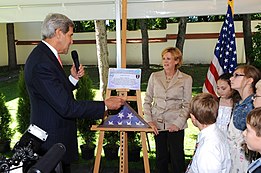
point(166, 109)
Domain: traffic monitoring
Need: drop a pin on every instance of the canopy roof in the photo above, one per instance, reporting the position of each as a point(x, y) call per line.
point(36, 10)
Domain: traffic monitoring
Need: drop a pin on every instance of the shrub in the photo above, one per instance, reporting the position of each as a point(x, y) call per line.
point(6, 132)
point(23, 111)
point(257, 47)
point(112, 138)
point(85, 92)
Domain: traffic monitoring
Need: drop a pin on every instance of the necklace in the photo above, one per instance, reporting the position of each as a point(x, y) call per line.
point(168, 79)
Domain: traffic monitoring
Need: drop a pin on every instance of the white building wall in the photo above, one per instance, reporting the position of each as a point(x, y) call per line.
point(195, 50)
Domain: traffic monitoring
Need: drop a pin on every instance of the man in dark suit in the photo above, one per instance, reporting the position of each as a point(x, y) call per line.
point(53, 107)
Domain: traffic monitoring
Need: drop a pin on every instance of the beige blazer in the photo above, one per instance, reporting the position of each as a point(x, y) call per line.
point(168, 104)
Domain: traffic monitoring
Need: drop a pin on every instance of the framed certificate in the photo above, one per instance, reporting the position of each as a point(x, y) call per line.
point(124, 78)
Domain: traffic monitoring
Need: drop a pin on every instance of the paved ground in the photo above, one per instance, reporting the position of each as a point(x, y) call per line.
point(134, 167)
point(13, 74)
point(85, 169)
point(88, 168)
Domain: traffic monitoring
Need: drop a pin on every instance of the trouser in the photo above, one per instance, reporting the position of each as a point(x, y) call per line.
point(170, 149)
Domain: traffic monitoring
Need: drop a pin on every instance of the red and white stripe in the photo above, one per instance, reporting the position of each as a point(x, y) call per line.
point(214, 71)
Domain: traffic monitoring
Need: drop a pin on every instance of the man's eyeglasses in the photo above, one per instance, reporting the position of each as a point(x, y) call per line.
point(255, 96)
point(237, 75)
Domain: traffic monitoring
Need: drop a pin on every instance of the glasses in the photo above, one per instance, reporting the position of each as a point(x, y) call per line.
point(255, 96)
point(237, 75)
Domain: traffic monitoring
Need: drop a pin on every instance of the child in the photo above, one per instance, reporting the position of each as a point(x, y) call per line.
point(243, 80)
point(211, 153)
point(253, 155)
point(257, 97)
point(227, 98)
point(252, 137)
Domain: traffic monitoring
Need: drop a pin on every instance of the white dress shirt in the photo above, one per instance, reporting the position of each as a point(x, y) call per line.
point(212, 153)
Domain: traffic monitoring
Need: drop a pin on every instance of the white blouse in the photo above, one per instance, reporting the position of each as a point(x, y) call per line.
point(223, 118)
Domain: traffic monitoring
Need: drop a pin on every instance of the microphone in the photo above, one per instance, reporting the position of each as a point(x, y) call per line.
point(75, 59)
point(50, 160)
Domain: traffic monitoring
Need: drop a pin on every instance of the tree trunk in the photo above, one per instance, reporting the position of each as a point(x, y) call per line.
point(12, 62)
point(248, 38)
point(102, 54)
point(145, 44)
point(181, 33)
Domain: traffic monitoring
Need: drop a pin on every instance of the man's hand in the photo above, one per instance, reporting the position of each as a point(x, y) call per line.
point(79, 74)
point(114, 103)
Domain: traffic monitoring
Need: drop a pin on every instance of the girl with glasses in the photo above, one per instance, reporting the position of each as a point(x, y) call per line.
point(243, 80)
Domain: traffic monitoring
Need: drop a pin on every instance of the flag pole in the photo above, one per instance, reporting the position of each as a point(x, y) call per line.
point(124, 30)
point(225, 56)
point(231, 3)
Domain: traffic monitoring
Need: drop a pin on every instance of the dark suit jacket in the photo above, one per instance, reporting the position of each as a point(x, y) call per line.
point(53, 107)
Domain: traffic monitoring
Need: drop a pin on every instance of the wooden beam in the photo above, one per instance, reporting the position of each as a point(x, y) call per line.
point(123, 36)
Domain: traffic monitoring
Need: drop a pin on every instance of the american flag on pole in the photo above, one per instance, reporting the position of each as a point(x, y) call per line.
point(125, 118)
point(225, 56)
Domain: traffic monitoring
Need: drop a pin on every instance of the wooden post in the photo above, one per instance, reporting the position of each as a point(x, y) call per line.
point(99, 151)
point(123, 165)
point(124, 35)
point(123, 152)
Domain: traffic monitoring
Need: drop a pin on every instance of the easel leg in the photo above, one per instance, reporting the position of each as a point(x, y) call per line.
point(123, 152)
point(145, 152)
point(98, 154)
point(148, 141)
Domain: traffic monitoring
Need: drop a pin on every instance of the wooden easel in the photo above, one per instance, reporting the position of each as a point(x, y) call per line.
point(123, 168)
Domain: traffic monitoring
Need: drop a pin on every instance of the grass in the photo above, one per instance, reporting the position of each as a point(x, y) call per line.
point(8, 86)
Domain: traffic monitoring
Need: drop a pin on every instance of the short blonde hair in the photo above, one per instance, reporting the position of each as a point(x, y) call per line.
point(175, 52)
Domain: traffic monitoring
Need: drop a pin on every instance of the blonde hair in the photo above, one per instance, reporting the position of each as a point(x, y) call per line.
point(175, 52)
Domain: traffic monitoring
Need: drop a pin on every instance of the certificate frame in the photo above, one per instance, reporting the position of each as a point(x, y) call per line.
point(129, 78)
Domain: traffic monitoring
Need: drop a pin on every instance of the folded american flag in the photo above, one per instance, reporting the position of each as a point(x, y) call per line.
point(126, 118)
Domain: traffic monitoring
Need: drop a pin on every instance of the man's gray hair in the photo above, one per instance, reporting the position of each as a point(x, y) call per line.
point(54, 21)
